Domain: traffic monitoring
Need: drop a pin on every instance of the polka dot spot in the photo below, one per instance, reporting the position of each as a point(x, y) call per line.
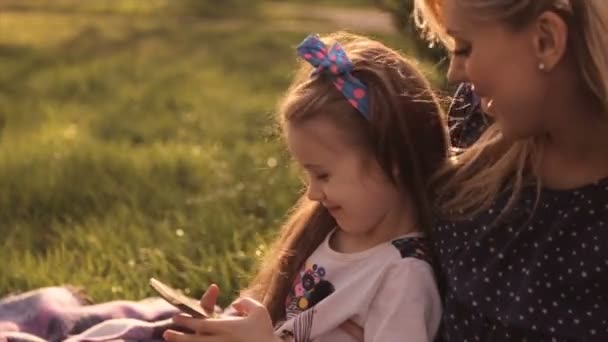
point(359, 93)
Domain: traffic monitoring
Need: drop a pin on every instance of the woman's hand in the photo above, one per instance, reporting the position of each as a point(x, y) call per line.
point(253, 323)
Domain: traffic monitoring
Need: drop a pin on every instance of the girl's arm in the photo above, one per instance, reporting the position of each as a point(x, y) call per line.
point(407, 305)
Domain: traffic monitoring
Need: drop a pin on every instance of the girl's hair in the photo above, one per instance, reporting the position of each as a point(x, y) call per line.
point(407, 132)
point(492, 165)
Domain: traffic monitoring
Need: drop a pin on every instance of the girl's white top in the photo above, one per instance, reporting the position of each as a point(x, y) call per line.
point(388, 290)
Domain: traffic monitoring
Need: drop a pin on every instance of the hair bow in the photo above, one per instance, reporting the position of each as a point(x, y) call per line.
point(334, 62)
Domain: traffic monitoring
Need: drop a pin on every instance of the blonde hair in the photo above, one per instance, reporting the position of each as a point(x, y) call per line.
point(493, 165)
point(407, 130)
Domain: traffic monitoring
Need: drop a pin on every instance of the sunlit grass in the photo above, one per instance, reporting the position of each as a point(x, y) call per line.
point(139, 145)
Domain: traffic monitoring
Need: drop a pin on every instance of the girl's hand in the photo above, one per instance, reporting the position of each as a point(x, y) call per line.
point(253, 324)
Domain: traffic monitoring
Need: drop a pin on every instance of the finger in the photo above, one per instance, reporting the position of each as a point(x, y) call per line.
point(215, 326)
point(188, 322)
point(231, 311)
point(248, 306)
point(209, 299)
point(176, 336)
point(353, 329)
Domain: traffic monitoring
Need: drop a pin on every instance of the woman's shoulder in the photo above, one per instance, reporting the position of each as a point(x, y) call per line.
point(590, 199)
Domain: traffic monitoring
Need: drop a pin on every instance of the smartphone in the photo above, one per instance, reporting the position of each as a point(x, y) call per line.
point(185, 304)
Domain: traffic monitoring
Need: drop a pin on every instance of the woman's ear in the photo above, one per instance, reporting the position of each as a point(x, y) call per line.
point(550, 40)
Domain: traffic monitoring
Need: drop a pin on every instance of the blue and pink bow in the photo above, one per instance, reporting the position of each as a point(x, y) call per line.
point(335, 63)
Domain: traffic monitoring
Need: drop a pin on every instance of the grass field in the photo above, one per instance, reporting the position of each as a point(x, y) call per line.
point(136, 143)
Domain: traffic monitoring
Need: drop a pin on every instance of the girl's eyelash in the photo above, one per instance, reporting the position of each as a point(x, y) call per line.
point(317, 176)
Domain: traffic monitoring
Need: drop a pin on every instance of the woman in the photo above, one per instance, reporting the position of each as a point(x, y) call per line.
point(522, 249)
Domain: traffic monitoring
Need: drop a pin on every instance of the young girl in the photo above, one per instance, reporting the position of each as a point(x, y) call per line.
point(522, 244)
point(367, 131)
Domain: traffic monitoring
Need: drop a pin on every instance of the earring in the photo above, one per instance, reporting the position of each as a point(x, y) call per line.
point(541, 66)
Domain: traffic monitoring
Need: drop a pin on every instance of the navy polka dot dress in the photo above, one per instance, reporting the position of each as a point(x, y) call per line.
point(541, 274)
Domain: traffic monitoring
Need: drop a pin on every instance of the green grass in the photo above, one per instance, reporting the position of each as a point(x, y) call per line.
point(139, 145)
point(335, 3)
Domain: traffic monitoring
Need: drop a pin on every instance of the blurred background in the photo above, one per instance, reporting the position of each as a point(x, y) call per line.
point(137, 136)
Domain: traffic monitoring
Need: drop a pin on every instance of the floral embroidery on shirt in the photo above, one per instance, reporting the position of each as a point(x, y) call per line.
point(308, 289)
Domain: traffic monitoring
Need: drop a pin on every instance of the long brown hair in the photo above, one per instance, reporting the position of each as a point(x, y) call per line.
point(492, 164)
point(407, 131)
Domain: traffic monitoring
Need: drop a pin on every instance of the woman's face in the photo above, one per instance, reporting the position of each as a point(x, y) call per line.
point(502, 66)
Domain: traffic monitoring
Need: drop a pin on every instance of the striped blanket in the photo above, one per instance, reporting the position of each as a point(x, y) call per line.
point(64, 314)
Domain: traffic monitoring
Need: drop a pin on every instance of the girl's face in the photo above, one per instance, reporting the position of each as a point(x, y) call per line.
point(342, 177)
point(502, 66)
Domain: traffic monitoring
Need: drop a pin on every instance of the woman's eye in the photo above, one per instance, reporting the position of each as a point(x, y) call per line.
point(462, 52)
point(322, 176)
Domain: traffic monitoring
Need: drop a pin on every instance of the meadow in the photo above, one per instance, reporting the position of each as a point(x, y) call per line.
point(139, 141)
